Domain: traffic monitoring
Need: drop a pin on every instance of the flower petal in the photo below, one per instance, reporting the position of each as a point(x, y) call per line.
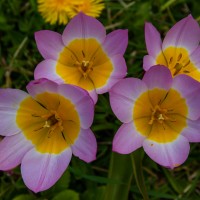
point(153, 40)
point(81, 99)
point(192, 131)
point(49, 44)
point(12, 150)
point(47, 69)
point(185, 33)
point(100, 73)
point(158, 77)
point(190, 91)
point(83, 26)
point(122, 97)
point(148, 62)
point(127, 139)
point(9, 103)
point(170, 154)
point(85, 147)
point(42, 85)
point(41, 171)
point(195, 58)
point(116, 42)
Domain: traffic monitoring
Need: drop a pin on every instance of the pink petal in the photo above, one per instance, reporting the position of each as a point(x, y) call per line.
point(119, 72)
point(85, 147)
point(122, 97)
point(190, 91)
point(127, 139)
point(42, 85)
point(81, 99)
point(148, 62)
point(195, 57)
point(49, 44)
point(116, 42)
point(12, 150)
point(191, 132)
point(41, 171)
point(9, 104)
point(47, 69)
point(153, 40)
point(158, 77)
point(185, 33)
point(83, 26)
point(171, 154)
point(93, 94)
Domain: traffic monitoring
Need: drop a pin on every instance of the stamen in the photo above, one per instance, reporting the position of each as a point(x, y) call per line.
point(171, 60)
point(179, 57)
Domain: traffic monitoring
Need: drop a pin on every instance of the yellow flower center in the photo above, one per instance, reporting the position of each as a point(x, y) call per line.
point(178, 61)
point(51, 123)
point(160, 115)
point(85, 64)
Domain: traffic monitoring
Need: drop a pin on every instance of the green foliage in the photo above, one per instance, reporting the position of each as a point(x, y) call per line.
point(19, 20)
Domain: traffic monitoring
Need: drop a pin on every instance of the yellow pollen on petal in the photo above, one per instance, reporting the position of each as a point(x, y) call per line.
point(160, 115)
point(85, 64)
point(49, 130)
point(177, 59)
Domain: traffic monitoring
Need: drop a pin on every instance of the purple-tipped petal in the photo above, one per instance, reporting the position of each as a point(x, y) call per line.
point(83, 102)
point(83, 26)
point(12, 150)
point(190, 91)
point(42, 85)
point(49, 44)
point(127, 139)
point(171, 154)
point(122, 97)
point(85, 147)
point(41, 171)
point(119, 72)
point(47, 69)
point(153, 40)
point(10, 100)
point(191, 132)
point(185, 33)
point(148, 62)
point(116, 42)
point(158, 77)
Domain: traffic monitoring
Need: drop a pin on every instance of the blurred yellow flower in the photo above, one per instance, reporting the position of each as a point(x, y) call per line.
point(92, 8)
point(61, 10)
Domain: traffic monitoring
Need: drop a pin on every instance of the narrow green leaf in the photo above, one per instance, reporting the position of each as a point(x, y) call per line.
point(119, 170)
point(137, 157)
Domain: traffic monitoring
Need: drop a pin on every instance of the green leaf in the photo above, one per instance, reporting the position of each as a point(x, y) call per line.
point(120, 171)
point(137, 157)
point(67, 194)
point(24, 197)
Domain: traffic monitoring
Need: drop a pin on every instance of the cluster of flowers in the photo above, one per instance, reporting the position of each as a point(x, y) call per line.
point(161, 112)
point(61, 11)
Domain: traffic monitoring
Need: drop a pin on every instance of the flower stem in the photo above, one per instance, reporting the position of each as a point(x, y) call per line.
point(136, 158)
point(121, 173)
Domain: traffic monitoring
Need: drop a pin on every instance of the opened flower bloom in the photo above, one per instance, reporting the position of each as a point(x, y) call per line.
point(83, 55)
point(179, 51)
point(160, 113)
point(61, 10)
point(43, 128)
